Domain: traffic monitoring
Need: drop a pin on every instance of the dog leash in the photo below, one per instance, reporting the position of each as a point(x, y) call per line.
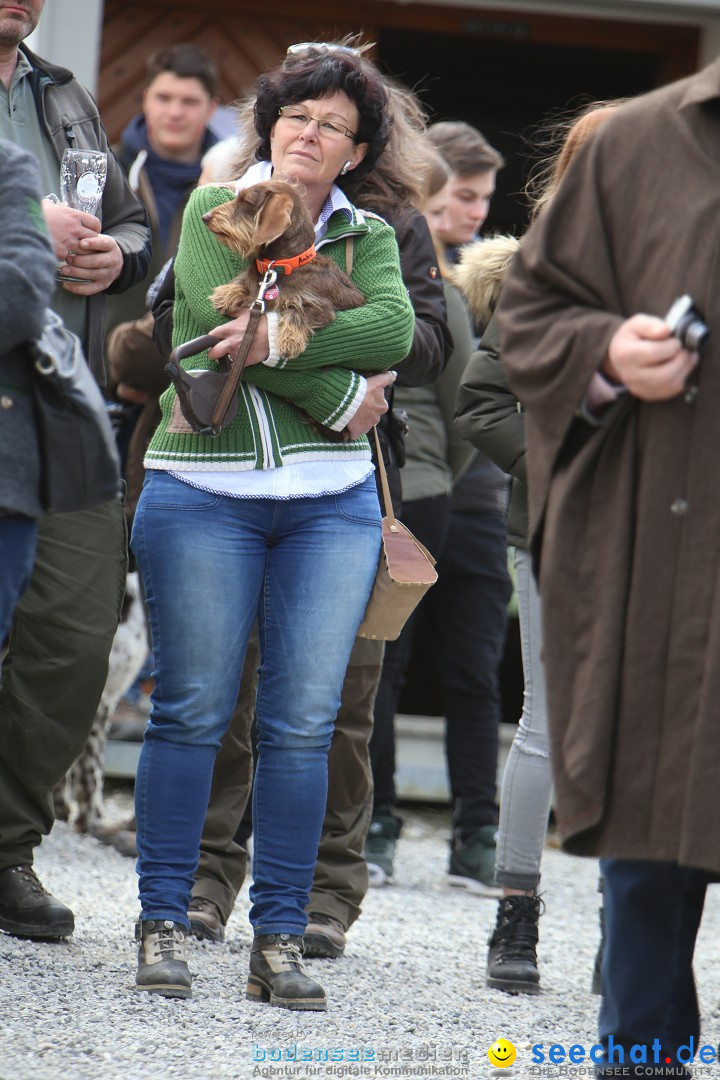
point(257, 309)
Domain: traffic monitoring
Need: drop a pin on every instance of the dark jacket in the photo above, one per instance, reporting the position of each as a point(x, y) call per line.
point(27, 272)
point(487, 412)
point(70, 117)
point(436, 455)
point(624, 513)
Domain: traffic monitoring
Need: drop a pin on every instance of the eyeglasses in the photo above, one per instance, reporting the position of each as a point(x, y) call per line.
point(296, 118)
point(321, 46)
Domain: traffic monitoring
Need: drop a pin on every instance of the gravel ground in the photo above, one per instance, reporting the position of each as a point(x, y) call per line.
point(407, 999)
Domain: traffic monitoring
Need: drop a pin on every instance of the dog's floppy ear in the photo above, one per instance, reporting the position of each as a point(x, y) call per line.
point(273, 219)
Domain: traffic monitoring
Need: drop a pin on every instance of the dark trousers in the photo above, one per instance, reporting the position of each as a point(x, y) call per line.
point(466, 614)
point(652, 916)
point(55, 669)
point(341, 879)
point(427, 520)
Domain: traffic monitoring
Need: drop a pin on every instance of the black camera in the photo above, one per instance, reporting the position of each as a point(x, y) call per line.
point(687, 324)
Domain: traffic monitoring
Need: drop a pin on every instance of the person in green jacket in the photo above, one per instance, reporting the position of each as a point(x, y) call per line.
point(272, 521)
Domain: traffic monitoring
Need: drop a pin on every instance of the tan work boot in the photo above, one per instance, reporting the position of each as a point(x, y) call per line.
point(205, 918)
point(277, 974)
point(324, 936)
point(162, 958)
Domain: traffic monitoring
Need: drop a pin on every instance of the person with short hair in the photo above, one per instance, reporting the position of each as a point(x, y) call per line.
point(474, 164)
point(161, 150)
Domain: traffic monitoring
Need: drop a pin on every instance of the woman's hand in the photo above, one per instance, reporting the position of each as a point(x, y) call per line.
point(231, 335)
point(645, 357)
point(374, 404)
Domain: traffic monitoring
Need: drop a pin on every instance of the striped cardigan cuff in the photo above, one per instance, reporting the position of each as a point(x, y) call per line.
point(273, 358)
point(343, 414)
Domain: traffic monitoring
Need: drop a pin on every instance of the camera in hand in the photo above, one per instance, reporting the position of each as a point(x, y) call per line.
point(687, 324)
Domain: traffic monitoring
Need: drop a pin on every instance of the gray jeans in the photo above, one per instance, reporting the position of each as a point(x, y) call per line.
point(527, 779)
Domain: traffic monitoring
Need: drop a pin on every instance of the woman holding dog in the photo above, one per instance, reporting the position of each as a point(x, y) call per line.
point(271, 520)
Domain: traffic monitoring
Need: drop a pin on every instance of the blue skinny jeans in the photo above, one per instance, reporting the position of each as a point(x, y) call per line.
point(211, 566)
point(18, 535)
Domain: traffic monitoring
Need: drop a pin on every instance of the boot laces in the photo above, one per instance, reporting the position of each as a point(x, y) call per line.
point(167, 942)
point(290, 954)
point(516, 933)
point(31, 879)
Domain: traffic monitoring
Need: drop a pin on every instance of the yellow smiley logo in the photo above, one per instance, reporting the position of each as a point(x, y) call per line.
point(501, 1053)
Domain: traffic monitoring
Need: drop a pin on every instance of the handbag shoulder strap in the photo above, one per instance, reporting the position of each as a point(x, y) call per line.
point(392, 523)
point(349, 249)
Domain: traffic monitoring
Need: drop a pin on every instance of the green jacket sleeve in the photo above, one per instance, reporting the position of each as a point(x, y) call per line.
point(379, 334)
point(325, 395)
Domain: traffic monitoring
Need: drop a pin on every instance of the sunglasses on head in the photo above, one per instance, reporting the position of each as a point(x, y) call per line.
point(321, 46)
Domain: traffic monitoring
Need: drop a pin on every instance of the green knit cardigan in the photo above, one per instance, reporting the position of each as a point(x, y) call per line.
point(269, 431)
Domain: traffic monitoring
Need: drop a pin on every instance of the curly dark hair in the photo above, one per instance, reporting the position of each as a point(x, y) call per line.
point(318, 76)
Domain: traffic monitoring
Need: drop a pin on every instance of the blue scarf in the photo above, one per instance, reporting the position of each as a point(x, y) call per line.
point(171, 181)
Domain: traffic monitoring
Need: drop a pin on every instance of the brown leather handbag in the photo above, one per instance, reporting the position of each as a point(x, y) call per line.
point(405, 572)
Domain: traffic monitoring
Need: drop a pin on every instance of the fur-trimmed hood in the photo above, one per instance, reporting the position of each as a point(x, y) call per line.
point(481, 271)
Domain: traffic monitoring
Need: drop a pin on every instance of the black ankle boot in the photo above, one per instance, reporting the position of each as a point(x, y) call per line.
point(277, 974)
point(512, 959)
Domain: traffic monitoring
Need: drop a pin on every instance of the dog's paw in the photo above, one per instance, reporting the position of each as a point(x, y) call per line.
point(292, 340)
point(228, 299)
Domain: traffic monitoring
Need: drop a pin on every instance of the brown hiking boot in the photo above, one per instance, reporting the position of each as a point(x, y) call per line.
point(324, 936)
point(120, 835)
point(27, 910)
point(162, 958)
point(277, 974)
point(206, 921)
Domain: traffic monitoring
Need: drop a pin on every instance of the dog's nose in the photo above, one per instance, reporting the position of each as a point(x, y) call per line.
point(207, 218)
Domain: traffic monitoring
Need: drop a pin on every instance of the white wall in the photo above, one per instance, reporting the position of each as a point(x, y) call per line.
point(69, 33)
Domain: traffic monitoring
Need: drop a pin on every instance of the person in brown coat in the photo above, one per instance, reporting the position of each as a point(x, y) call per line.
point(624, 485)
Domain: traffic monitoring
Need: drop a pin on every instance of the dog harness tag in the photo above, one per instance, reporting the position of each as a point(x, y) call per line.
point(272, 293)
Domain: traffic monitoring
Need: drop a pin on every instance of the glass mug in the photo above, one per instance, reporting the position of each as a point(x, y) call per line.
point(82, 182)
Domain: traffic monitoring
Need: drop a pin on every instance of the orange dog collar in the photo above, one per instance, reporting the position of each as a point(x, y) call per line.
point(286, 266)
